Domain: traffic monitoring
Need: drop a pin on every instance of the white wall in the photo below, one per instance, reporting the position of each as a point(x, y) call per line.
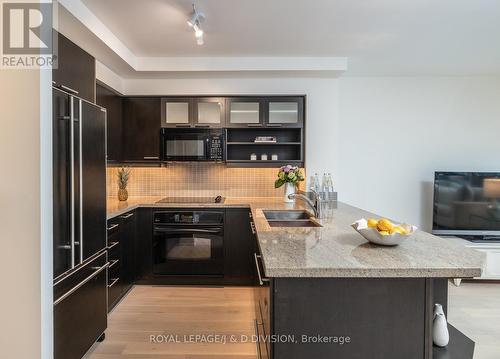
point(395, 132)
point(25, 215)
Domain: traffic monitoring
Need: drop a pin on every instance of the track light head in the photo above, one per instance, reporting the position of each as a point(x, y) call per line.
point(194, 22)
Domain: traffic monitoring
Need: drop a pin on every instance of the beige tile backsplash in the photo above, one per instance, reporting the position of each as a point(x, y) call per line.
point(197, 179)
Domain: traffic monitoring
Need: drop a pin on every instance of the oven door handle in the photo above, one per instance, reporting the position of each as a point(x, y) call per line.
point(187, 230)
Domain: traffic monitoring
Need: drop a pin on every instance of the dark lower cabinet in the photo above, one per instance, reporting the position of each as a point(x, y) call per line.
point(80, 302)
point(239, 247)
point(121, 254)
point(141, 129)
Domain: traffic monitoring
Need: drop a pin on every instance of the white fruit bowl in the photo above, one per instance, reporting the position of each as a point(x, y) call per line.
point(373, 236)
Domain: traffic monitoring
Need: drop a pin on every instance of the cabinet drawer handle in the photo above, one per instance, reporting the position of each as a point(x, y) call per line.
point(181, 125)
point(113, 282)
point(113, 262)
point(113, 245)
point(127, 216)
point(206, 126)
point(261, 279)
point(113, 226)
point(151, 157)
point(81, 284)
point(69, 89)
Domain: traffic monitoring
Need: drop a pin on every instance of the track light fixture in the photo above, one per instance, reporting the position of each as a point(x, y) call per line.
point(194, 22)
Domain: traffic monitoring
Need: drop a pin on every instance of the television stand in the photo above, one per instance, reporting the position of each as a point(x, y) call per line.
point(491, 249)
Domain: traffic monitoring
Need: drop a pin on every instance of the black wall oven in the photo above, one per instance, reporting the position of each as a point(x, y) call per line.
point(192, 145)
point(188, 243)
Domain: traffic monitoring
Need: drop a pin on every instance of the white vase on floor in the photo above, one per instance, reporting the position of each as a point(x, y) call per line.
point(440, 334)
point(289, 189)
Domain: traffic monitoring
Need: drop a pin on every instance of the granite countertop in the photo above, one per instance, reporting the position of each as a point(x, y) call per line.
point(335, 249)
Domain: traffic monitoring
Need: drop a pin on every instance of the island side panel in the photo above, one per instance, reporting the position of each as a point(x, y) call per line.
point(384, 318)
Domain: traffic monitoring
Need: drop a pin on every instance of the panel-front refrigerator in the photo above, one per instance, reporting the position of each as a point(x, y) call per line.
point(80, 258)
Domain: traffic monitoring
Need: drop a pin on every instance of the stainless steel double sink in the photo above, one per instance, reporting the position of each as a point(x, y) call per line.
point(290, 218)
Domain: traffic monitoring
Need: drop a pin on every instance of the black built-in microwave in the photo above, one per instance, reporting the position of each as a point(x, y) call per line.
point(192, 144)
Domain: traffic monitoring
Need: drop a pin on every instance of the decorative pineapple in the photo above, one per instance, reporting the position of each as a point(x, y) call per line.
point(123, 177)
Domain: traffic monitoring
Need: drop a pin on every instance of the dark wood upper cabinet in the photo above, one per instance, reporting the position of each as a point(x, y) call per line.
point(75, 69)
point(141, 129)
point(209, 112)
point(193, 112)
point(284, 111)
point(112, 102)
point(247, 112)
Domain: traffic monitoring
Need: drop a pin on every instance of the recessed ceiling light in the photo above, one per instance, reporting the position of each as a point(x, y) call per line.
point(194, 21)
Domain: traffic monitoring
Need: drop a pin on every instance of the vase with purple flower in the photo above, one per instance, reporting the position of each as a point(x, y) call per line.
point(289, 176)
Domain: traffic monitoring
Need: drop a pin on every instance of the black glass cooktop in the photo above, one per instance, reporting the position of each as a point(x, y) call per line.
point(217, 199)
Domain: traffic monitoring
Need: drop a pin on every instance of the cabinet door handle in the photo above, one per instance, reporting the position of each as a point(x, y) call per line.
point(254, 124)
point(202, 126)
point(69, 89)
point(127, 216)
point(113, 226)
point(151, 157)
point(113, 245)
point(181, 125)
point(113, 282)
point(274, 125)
point(261, 279)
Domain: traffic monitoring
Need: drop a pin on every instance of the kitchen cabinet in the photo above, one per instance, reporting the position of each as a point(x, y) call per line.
point(284, 111)
point(141, 129)
point(176, 112)
point(245, 112)
point(239, 247)
point(121, 256)
point(196, 112)
point(74, 70)
point(208, 112)
point(112, 102)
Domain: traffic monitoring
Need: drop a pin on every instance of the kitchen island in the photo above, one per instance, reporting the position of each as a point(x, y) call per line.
point(326, 292)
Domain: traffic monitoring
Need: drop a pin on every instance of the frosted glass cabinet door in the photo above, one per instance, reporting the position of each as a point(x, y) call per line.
point(285, 112)
point(245, 112)
point(176, 112)
point(209, 112)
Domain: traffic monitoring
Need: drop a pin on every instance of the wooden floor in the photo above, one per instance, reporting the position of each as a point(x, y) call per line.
point(180, 311)
point(474, 308)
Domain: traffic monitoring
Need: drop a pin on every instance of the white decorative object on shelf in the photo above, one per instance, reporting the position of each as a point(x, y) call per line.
point(289, 189)
point(440, 334)
point(253, 157)
point(263, 157)
point(274, 157)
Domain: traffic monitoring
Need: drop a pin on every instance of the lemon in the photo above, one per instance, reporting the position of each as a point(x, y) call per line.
point(398, 229)
point(384, 225)
point(384, 233)
point(372, 223)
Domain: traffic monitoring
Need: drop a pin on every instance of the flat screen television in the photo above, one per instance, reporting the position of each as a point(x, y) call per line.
point(467, 204)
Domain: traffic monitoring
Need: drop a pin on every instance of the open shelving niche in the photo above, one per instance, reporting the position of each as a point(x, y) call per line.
point(288, 146)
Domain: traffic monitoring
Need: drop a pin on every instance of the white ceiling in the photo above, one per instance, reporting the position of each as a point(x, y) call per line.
point(379, 37)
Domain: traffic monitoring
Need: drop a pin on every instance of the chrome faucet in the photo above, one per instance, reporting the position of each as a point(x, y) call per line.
point(315, 204)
